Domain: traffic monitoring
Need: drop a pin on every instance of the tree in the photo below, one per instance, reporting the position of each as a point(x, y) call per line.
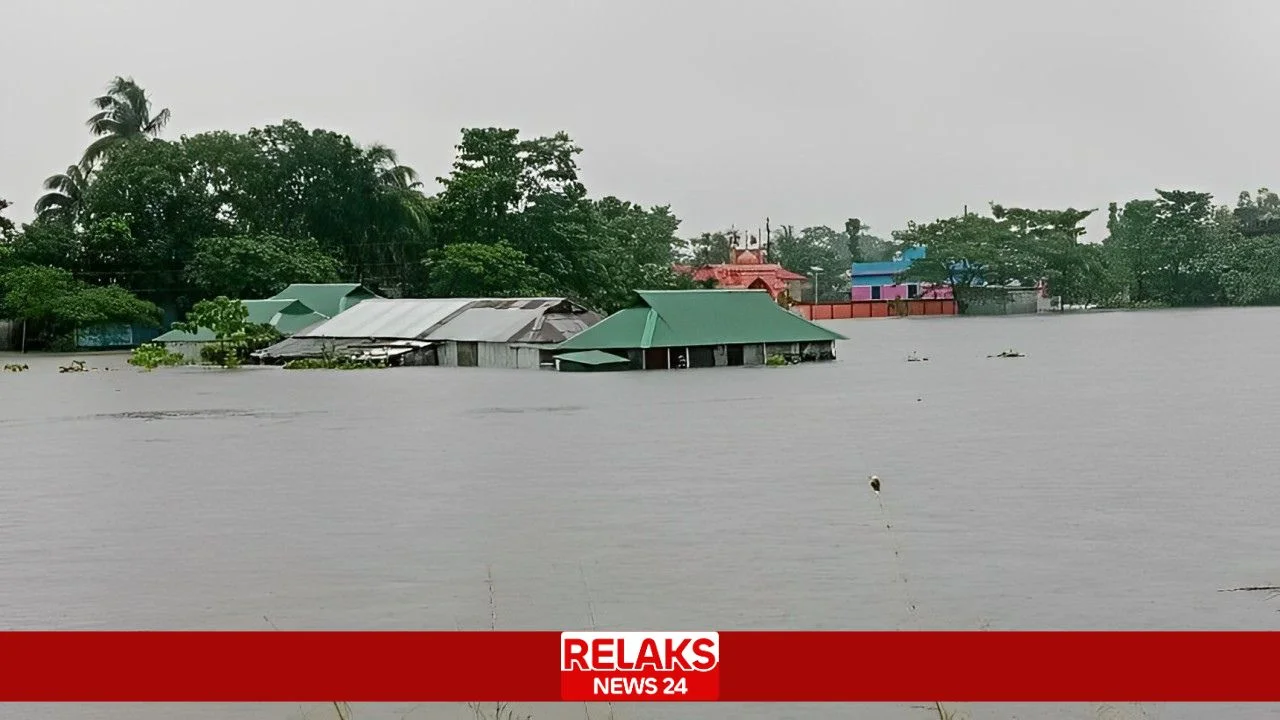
point(54, 303)
point(524, 193)
point(65, 194)
point(1048, 243)
point(235, 336)
point(166, 204)
point(816, 246)
point(245, 266)
point(1258, 214)
point(52, 243)
point(965, 253)
point(852, 232)
point(708, 249)
point(1129, 248)
point(361, 205)
point(483, 270)
point(124, 115)
point(639, 249)
point(7, 229)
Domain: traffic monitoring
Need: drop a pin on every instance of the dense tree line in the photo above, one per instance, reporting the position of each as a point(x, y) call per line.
point(141, 223)
point(1176, 249)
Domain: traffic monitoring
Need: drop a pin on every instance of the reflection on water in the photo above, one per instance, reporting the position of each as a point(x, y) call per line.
point(1062, 490)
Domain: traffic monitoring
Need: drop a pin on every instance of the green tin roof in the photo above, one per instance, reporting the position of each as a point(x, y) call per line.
point(328, 299)
point(593, 357)
point(286, 316)
point(689, 318)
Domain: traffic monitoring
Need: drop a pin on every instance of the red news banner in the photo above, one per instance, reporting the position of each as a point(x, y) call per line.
point(990, 666)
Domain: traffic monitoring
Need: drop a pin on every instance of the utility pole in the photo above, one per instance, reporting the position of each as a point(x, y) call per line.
point(768, 242)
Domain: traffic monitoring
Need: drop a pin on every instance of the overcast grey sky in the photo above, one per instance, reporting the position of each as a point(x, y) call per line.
point(807, 112)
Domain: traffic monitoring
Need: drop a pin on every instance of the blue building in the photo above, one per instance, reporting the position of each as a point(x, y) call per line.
point(877, 280)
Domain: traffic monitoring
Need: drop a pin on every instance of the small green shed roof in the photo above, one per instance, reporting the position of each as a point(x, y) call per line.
point(690, 318)
point(593, 357)
point(328, 299)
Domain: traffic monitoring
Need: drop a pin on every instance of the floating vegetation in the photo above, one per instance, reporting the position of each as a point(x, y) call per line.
point(333, 364)
point(150, 356)
point(776, 360)
point(15, 367)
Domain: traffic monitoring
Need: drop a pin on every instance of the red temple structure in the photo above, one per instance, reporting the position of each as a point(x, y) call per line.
point(747, 271)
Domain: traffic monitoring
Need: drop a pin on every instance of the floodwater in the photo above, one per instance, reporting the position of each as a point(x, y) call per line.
point(1117, 477)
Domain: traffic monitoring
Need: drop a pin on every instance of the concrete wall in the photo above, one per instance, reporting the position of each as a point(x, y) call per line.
point(899, 292)
point(190, 351)
point(10, 334)
point(1002, 301)
point(753, 354)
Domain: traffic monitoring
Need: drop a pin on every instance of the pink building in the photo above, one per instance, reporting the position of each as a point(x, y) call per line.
point(877, 280)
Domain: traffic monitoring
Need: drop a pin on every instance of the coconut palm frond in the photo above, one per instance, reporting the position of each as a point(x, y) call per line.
point(157, 123)
point(98, 148)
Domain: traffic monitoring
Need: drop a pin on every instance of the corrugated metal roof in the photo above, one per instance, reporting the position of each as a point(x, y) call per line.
point(486, 324)
point(459, 319)
point(380, 318)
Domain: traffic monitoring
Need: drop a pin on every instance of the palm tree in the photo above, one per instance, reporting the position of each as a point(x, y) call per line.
point(66, 193)
point(124, 114)
point(390, 172)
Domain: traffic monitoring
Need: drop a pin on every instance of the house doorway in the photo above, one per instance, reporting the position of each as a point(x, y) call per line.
point(655, 359)
point(468, 354)
point(734, 356)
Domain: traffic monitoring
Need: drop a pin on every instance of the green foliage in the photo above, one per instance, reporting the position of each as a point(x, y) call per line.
point(524, 193)
point(333, 364)
point(7, 230)
point(817, 246)
point(150, 356)
point(1172, 250)
point(64, 194)
point(243, 214)
point(257, 266)
point(709, 249)
point(124, 114)
point(227, 318)
point(56, 303)
point(471, 269)
point(235, 337)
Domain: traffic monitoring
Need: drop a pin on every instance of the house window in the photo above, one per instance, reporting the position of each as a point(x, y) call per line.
point(913, 291)
point(875, 292)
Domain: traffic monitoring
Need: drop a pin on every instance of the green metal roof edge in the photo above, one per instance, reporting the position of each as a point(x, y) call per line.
point(593, 357)
point(650, 324)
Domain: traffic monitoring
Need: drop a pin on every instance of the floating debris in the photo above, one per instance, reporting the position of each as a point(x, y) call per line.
point(1008, 354)
point(915, 357)
point(875, 484)
point(75, 366)
point(15, 367)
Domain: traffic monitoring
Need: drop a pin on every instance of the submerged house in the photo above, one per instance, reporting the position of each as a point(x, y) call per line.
point(328, 299)
point(878, 280)
point(286, 316)
point(704, 328)
point(452, 332)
